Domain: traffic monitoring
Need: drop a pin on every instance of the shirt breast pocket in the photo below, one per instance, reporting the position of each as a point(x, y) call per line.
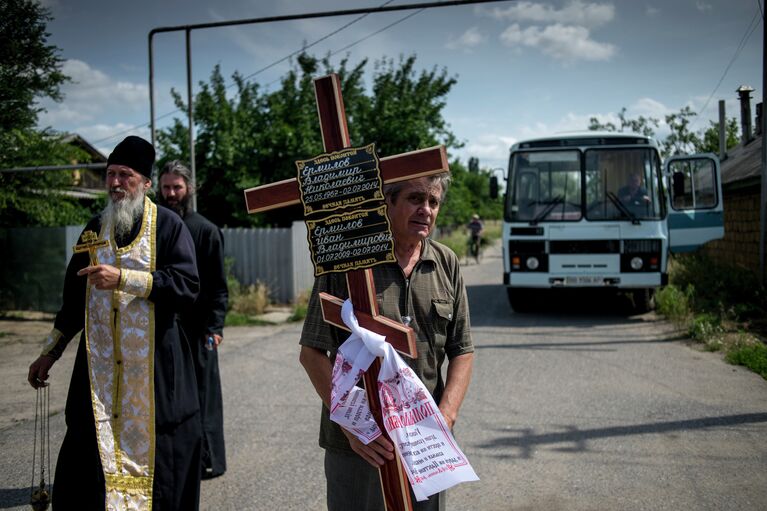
point(442, 315)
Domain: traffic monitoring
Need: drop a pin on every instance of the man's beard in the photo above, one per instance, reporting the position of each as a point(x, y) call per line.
point(124, 213)
point(181, 207)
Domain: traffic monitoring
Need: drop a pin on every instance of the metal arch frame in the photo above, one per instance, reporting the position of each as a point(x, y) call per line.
point(188, 30)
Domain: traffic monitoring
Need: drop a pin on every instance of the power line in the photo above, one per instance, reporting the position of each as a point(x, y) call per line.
point(746, 36)
point(390, 25)
point(310, 45)
point(296, 52)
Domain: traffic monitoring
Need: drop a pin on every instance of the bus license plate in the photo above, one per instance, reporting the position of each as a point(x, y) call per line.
point(584, 280)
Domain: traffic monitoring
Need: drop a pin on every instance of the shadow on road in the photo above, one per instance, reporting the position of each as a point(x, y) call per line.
point(525, 441)
point(576, 345)
point(14, 497)
point(489, 306)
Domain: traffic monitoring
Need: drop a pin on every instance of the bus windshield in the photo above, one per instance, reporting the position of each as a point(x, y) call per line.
point(620, 184)
point(546, 186)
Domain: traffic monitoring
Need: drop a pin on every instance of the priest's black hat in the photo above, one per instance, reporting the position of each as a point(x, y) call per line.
point(134, 152)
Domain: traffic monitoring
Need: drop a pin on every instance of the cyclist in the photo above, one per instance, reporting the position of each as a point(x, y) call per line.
point(476, 227)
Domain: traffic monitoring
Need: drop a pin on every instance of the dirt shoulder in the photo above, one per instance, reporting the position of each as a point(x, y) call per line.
point(21, 339)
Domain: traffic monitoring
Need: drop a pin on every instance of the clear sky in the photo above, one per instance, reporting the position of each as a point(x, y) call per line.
point(524, 68)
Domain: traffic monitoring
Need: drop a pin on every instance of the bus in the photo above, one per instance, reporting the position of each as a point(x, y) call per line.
point(600, 210)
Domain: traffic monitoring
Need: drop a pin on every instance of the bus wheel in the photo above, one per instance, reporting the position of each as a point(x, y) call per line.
point(644, 300)
point(521, 299)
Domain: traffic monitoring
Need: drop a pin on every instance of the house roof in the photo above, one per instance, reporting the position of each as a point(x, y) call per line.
point(743, 163)
point(76, 140)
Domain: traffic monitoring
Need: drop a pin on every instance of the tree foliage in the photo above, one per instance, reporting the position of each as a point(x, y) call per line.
point(247, 137)
point(680, 140)
point(709, 141)
point(643, 125)
point(469, 194)
point(30, 69)
point(29, 199)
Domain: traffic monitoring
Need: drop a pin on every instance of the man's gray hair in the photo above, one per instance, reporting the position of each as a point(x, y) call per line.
point(177, 168)
point(443, 179)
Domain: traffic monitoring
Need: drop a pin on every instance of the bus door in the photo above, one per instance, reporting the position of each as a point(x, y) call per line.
point(695, 201)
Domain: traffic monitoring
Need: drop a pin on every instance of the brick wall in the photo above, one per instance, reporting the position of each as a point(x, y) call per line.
point(740, 245)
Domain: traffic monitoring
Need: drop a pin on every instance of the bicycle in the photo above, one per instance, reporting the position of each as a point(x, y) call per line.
point(474, 247)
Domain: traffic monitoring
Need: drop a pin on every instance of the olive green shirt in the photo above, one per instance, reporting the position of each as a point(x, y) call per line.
point(434, 298)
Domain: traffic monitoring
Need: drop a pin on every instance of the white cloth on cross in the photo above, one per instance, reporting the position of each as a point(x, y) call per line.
point(431, 457)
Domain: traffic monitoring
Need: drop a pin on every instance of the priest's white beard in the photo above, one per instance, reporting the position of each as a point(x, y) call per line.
point(122, 214)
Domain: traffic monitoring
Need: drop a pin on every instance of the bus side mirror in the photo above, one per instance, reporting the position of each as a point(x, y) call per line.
point(494, 187)
point(677, 182)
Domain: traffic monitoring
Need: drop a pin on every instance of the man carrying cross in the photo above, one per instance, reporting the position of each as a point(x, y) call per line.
point(424, 290)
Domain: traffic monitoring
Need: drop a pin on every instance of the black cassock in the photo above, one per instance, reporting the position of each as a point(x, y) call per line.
point(79, 482)
point(206, 317)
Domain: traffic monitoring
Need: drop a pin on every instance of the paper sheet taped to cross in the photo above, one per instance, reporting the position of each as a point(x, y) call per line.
point(420, 163)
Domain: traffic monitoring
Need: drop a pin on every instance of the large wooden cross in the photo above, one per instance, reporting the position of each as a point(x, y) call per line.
point(335, 136)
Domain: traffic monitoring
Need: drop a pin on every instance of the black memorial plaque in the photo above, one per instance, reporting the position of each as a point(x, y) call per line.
point(351, 240)
point(345, 211)
point(338, 180)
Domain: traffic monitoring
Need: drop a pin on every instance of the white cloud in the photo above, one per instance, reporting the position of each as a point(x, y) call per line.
point(575, 12)
point(562, 42)
point(90, 94)
point(703, 6)
point(489, 147)
point(648, 107)
point(651, 10)
point(467, 41)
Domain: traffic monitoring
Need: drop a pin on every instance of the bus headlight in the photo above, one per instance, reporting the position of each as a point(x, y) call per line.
point(636, 263)
point(532, 263)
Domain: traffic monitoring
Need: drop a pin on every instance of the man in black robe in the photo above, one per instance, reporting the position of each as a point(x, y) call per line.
point(133, 430)
point(204, 323)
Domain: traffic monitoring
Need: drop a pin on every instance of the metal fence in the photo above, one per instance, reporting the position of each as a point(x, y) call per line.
point(33, 263)
point(278, 258)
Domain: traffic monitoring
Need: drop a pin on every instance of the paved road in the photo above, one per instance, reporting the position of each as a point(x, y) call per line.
point(582, 407)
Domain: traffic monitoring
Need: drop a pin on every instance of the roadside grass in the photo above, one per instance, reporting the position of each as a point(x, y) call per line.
point(245, 302)
point(300, 307)
point(457, 238)
point(722, 307)
point(239, 319)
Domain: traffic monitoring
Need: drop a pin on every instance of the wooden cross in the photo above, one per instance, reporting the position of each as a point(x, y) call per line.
point(425, 162)
point(91, 243)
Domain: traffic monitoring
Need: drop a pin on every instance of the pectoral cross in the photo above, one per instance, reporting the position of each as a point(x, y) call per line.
point(91, 243)
point(335, 136)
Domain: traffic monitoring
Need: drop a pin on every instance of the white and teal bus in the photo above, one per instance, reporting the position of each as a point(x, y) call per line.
point(599, 210)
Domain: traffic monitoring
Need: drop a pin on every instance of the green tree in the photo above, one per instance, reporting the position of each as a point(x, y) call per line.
point(30, 199)
point(248, 138)
point(709, 139)
point(30, 69)
point(643, 125)
point(681, 140)
point(469, 193)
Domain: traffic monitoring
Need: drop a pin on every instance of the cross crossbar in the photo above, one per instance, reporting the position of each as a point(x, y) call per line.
point(410, 165)
point(91, 243)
